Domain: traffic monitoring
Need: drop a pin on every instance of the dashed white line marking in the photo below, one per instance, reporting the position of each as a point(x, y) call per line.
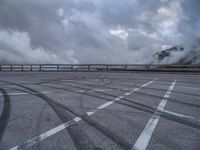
point(145, 136)
point(77, 119)
point(61, 127)
point(105, 105)
point(90, 113)
point(81, 91)
point(126, 89)
point(121, 97)
point(166, 96)
point(102, 90)
point(127, 94)
point(136, 89)
point(117, 99)
point(169, 92)
point(147, 83)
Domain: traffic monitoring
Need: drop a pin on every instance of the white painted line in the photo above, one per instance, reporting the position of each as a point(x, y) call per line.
point(126, 89)
point(169, 92)
point(24, 93)
point(188, 87)
point(147, 83)
point(102, 90)
point(61, 127)
point(46, 92)
point(136, 89)
point(127, 94)
point(77, 119)
point(117, 99)
point(81, 91)
point(15, 94)
point(90, 113)
point(145, 136)
point(181, 115)
point(105, 105)
point(166, 96)
point(45, 135)
point(121, 97)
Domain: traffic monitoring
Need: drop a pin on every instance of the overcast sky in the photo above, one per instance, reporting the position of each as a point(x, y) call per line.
point(94, 31)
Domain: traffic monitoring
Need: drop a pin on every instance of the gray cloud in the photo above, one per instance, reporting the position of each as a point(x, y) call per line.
point(95, 31)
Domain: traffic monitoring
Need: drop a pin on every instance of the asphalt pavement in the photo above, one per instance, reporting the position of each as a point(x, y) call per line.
point(99, 111)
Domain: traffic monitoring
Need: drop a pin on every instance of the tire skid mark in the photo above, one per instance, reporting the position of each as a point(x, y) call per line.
point(80, 139)
point(76, 136)
point(53, 81)
point(63, 79)
point(91, 87)
point(5, 115)
point(83, 85)
point(188, 122)
point(100, 84)
point(171, 144)
point(145, 108)
point(136, 105)
point(177, 92)
point(86, 84)
point(115, 138)
point(40, 120)
point(172, 100)
point(105, 85)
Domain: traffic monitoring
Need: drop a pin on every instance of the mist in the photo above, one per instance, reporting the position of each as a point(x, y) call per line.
point(98, 31)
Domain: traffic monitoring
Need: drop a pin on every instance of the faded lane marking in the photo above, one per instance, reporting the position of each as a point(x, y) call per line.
point(24, 93)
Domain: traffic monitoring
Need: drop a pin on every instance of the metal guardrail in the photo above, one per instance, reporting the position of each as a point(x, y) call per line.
point(97, 67)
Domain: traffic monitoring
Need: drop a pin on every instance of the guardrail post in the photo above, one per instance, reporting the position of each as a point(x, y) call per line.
point(0, 67)
point(57, 67)
point(40, 68)
point(11, 67)
point(31, 68)
point(126, 67)
point(88, 68)
point(72, 68)
point(147, 67)
point(107, 67)
point(22, 67)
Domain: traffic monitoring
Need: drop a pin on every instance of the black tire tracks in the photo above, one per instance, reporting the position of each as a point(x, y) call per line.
point(178, 92)
point(170, 99)
point(136, 105)
point(80, 139)
point(151, 95)
point(5, 115)
point(106, 132)
point(76, 137)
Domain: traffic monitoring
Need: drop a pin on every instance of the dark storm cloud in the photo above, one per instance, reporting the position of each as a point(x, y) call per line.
point(93, 31)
